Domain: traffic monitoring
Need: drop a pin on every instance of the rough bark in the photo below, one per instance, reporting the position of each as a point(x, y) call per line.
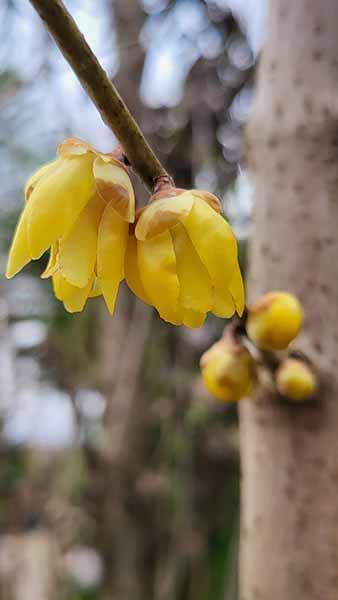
point(289, 538)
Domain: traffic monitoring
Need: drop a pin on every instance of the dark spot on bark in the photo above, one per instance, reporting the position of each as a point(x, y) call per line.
point(257, 594)
point(308, 105)
point(317, 244)
point(319, 462)
point(302, 523)
point(334, 581)
point(290, 492)
point(324, 288)
point(279, 110)
point(318, 28)
point(272, 142)
point(298, 187)
point(317, 55)
point(334, 63)
point(334, 476)
point(310, 156)
point(301, 130)
point(328, 241)
point(273, 65)
point(306, 583)
point(265, 249)
point(281, 166)
point(298, 81)
point(283, 12)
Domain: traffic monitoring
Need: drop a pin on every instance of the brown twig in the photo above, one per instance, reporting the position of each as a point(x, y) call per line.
point(98, 86)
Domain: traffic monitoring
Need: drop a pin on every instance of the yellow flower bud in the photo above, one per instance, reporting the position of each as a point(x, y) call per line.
point(274, 321)
point(228, 370)
point(184, 261)
point(79, 207)
point(295, 380)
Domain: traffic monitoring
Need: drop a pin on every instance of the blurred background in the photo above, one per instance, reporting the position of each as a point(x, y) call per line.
point(119, 475)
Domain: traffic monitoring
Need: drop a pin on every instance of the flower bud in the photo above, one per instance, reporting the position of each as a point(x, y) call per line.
point(228, 370)
point(295, 380)
point(274, 321)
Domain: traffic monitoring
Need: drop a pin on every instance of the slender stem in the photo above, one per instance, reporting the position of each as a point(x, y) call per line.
point(98, 86)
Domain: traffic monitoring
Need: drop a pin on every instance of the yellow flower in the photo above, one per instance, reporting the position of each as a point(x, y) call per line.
point(183, 258)
point(228, 371)
point(274, 320)
point(80, 207)
point(295, 380)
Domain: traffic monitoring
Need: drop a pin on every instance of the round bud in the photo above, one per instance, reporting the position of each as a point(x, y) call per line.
point(274, 321)
point(295, 380)
point(228, 371)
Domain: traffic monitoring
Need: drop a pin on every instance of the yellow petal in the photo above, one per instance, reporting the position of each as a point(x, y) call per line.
point(214, 242)
point(57, 201)
point(237, 290)
point(192, 318)
point(73, 298)
point(223, 304)
point(74, 147)
point(77, 251)
point(194, 280)
point(37, 176)
point(209, 199)
point(53, 263)
point(19, 254)
point(163, 214)
point(96, 290)
point(157, 266)
point(132, 272)
point(114, 186)
point(112, 243)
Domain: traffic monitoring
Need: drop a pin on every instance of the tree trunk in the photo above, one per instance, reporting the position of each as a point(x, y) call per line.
point(289, 538)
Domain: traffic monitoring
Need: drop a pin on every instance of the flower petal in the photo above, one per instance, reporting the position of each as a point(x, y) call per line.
point(237, 290)
point(209, 199)
point(77, 251)
point(19, 254)
point(37, 176)
point(114, 186)
point(157, 266)
point(161, 215)
point(214, 242)
point(56, 202)
point(195, 283)
point(73, 298)
point(96, 290)
point(74, 147)
point(112, 243)
point(132, 272)
point(223, 304)
point(53, 263)
point(192, 318)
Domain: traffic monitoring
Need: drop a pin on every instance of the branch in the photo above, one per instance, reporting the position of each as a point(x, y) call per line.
point(98, 86)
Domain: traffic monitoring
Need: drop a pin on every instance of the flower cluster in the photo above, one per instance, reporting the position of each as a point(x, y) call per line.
point(177, 254)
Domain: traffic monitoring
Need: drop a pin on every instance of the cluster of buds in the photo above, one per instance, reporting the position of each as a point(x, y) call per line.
point(230, 368)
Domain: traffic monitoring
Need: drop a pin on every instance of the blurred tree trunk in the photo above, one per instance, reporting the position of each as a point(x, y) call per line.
point(289, 533)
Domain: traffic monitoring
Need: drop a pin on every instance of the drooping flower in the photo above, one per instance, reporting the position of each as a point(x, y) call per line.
point(274, 320)
point(79, 207)
point(183, 258)
point(228, 370)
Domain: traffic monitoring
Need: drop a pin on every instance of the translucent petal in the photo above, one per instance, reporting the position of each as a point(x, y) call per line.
point(236, 289)
point(96, 290)
point(73, 298)
point(214, 241)
point(77, 251)
point(162, 214)
point(53, 263)
point(112, 243)
point(157, 266)
point(114, 185)
point(192, 318)
point(195, 283)
point(57, 201)
point(223, 304)
point(37, 176)
point(19, 254)
point(132, 272)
